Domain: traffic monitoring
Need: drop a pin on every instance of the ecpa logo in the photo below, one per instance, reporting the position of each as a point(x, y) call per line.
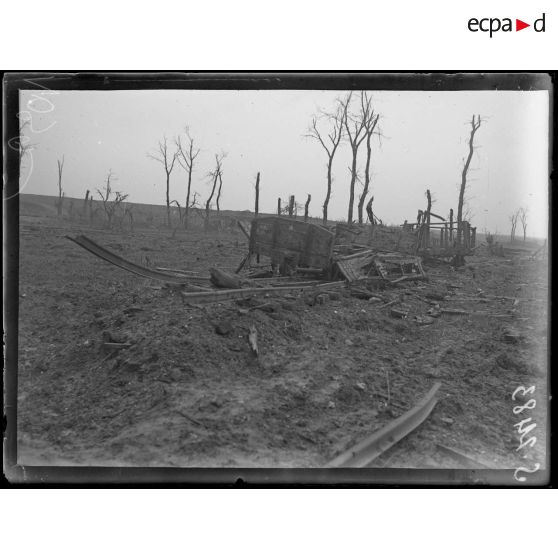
point(494, 24)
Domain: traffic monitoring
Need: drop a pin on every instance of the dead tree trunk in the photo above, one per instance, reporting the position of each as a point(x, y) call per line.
point(186, 159)
point(475, 125)
point(451, 228)
point(215, 177)
point(208, 202)
point(513, 219)
point(163, 156)
point(306, 205)
point(352, 185)
point(291, 206)
point(354, 127)
point(85, 204)
point(428, 208)
point(60, 191)
point(257, 206)
point(523, 218)
point(369, 211)
point(370, 121)
point(336, 119)
point(219, 192)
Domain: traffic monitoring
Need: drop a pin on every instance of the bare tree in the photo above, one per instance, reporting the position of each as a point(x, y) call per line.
point(25, 147)
point(513, 219)
point(214, 175)
point(219, 191)
point(168, 160)
point(370, 120)
point(475, 125)
point(356, 132)
point(112, 206)
point(60, 199)
point(523, 218)
point(330, 142)
point(186, 157)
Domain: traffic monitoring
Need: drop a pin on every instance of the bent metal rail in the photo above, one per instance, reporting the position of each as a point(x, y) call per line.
point(363, 453)
point(119, 261)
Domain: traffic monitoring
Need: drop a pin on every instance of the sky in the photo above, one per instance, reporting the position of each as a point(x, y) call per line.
point(424, 145)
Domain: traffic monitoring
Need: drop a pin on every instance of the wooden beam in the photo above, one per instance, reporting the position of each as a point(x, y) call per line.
point(230, 294)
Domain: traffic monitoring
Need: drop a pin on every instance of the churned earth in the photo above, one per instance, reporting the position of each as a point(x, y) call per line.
point(189, 391)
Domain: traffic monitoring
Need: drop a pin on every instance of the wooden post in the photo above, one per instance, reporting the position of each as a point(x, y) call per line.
point(473, 237)
point(451, 227)
point(257, 207)
point(291, 205)
point(428, 208)
point(85, 204)
point(441, 237)
point(306, 207)
point(446, 236)
point(278, 206)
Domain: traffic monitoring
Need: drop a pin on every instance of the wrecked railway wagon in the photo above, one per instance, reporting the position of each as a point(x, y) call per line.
point(290, 244)
point(300, 247)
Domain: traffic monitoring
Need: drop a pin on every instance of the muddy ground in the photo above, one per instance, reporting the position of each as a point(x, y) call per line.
point(327, 374)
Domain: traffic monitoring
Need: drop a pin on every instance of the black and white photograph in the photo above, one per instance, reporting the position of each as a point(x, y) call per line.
point(323, 273)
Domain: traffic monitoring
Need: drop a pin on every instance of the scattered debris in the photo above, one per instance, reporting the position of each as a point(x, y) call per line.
point(112, 338)
point(424, 320)
point(223, 328)
point(231, 294)
point(109, 347)
point(398, 313)
point(253, 340)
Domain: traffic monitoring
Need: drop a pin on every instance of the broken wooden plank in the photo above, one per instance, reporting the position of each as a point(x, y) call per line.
point(179, 271)
point(231, 294)
point(454, 311)
point(363, 453)
point(409, 278)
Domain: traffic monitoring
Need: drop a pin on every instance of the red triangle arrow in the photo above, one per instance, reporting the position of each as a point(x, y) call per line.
point(519, 25)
